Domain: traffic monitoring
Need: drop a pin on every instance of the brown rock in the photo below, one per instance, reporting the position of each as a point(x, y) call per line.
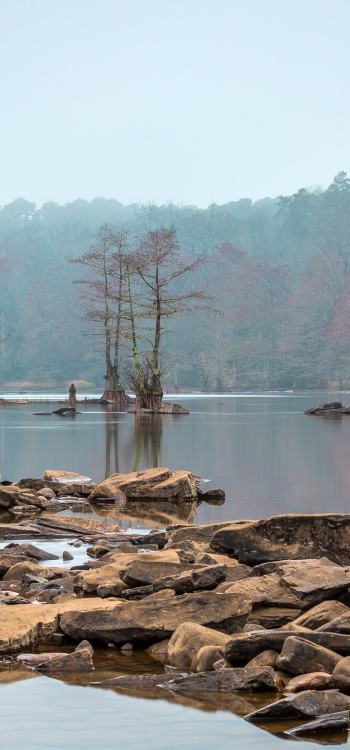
point(110, 588)
point(266, 658)
point(147, 622)
point(320, 615)
point(205, 658)
point(188, 639)
point(338, 625)
point(75, 525)
point(299, 656)
point(159, 483)
point(262, 678)
point(310, 681)
point(244, 646)
point(287, 537)
point(342, 667)
point(67, 555)
point(158, 651)
point(9, 495)
point(309, 703)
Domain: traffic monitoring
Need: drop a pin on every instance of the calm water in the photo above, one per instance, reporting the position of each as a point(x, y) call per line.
point(267, 455)
point(269, 458)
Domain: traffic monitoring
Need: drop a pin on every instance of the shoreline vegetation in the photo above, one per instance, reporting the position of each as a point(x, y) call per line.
point(259, 609)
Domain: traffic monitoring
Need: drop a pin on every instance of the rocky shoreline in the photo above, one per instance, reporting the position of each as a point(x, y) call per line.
point(242, 608)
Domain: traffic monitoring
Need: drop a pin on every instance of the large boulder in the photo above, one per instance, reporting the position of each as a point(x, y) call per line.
point(310, 681)
point(287, 537)
point(299, 656)
point(145, 622)
point(188, 639)
point(151, 484)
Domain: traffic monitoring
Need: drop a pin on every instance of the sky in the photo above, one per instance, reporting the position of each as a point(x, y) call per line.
point(184, 101)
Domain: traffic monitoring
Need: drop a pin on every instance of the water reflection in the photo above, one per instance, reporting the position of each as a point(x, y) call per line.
point(143, 445)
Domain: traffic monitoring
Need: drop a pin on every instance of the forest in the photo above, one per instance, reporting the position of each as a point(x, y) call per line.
point(274, 273)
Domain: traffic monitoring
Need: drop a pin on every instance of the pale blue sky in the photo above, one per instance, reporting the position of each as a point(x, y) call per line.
point(191, 101)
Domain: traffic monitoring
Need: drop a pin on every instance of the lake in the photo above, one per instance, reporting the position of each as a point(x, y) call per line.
point(269, 458)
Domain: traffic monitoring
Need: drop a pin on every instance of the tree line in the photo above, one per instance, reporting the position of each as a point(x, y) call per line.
point(270, 282)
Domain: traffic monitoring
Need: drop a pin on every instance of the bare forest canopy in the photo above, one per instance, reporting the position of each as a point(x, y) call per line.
point(277, 273)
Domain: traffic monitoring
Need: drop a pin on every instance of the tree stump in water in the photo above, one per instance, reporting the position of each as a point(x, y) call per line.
point(72, 396)
point(118, 398)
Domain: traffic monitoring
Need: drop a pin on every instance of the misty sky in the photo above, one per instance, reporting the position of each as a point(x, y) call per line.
point(191, 101)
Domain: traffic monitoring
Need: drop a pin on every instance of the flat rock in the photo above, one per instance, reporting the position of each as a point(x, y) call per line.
point(150, 621)
point(287, 537)
point(27, 625)
point(196, 533)
point(188, 639)
point(77, 525)
point(226, 680)
point(334, 722)
point(299, 656)
point(199, 579)
point(9, 495)
point(320, 614)
point(340, 624)
point(29, 551)
point(66, 477)
point(108, 569)
point(309, 703)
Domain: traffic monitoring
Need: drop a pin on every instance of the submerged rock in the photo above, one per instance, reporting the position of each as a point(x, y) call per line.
point(310, 703)
point(260, 678)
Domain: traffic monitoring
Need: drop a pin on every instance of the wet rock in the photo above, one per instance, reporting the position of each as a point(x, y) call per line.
point(99, 549)
point(244, 646)
point(326, 410)
point(299, 656)
point(309, 703)
point(213, 496)
point(266, 658)
point(334, 722)
point(67, 555)
point(188, 639)
point(261, 678)
point(132, 681)
point(320, 614)
point(84, 645)
point(146, 622)
point(311, 681)
point(287, 537)
point(342, 668)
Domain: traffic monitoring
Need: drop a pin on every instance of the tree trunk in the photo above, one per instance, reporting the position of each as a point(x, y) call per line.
point(117, 397)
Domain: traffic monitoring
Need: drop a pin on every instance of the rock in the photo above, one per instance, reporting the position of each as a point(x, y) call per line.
point(83, 645)
point(334, 407)
point(168, 408)
point(99, 549)
point(76, 525)
point(25, 626)
point(334, 722)
point(340, 624)
point(287, 537)
point(67, 555)
point(188, 639)
point(261, 678)
point(309, 703)
point(28, 550)
point(244, 646)
point(110, 588)
point(134, 681)
point(201, 579)
point(66, 477)
point(213, 496)
point(222, 664)
point(195, 533)
point(78, 661)
point(156, 536)
point(47, 493)
point(17, 571)
point(153, 484)
point(311, 681)
point(146, 622)
point(158, 651)
point(342, 667)
point(252, 627)
point(103, 572)
point(272, 617)
point(9, 495)
point(320, 615)
point(142, 571)
point(299, 656)
point(205, 658)
point(266, 658)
